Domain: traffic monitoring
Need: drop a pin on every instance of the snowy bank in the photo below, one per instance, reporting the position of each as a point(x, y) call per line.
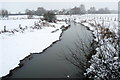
point(105, 64)
point(16, 47)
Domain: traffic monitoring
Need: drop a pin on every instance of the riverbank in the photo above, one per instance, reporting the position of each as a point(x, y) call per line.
point(15, 47)
point(27, 58)
point(106, 59)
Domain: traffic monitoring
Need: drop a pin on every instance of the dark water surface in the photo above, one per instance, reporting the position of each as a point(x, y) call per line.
point(51, 63)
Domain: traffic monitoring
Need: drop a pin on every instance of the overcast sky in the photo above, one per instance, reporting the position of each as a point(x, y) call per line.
point(21, 5)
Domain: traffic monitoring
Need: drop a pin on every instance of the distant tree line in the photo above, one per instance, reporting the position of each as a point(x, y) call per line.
point(93, 10)
point(75, 10)
point(40, 11)
point(82, 10)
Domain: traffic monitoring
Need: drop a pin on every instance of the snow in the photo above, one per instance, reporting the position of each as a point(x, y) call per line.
point(68, 76)
point(9, 23)
point(12, 17)
point(17, 46)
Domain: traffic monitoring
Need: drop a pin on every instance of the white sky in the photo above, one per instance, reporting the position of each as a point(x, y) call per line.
point(59, 0)
point(21, 5)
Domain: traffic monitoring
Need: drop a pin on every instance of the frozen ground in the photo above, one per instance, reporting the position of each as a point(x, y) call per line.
point(17, 46)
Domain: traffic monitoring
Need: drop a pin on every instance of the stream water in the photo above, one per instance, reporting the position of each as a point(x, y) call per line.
point(52, 63)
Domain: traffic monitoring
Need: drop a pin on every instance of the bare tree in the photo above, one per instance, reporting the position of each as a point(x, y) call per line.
point(40, 11)
point(92, 10)
point(4, 13)
point(82, 9)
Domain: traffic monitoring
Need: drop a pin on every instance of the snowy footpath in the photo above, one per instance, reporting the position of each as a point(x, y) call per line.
point(19, 41)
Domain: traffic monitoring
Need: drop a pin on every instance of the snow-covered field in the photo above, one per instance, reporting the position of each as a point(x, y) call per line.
point(16, 46)
point(9, 23)
point(12, 17)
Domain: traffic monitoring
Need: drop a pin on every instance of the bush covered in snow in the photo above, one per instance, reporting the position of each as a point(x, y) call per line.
point(105, 64)
point(49, 16)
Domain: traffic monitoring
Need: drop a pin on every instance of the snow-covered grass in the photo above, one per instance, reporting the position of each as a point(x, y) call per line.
point(17, 46)
point(13, 24)
point(14, 17)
